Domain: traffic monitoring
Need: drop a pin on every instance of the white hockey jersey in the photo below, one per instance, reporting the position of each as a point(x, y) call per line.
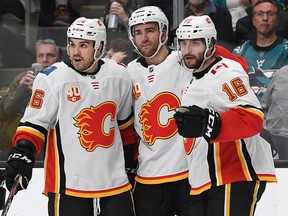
point(238, 153)
point(83, 115)
point(157, 90)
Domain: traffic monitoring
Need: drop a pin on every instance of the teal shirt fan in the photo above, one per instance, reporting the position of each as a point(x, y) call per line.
point(262, 63)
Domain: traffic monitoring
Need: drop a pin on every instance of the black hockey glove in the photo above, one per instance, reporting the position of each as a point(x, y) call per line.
point(20, 162)
point(193, 121)
point(130, 162)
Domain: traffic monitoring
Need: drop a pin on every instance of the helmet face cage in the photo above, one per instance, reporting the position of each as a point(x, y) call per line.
point(148, 14)
point(88, 29)
point(196, 27)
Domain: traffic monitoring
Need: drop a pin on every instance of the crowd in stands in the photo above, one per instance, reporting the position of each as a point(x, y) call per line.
point(254, 29)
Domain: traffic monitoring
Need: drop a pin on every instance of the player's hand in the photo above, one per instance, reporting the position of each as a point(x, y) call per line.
point(20, 162)
point(131, 162)
point(193, 121)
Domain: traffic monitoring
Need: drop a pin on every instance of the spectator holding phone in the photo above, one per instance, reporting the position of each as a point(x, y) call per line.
point(16, 96)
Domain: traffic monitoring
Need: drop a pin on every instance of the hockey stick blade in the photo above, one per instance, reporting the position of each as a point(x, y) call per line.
point(12, 193)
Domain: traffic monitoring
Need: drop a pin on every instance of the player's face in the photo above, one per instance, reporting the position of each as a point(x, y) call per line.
point(81, 53)
point(147, 38)
point(193, 52)
point(46, 55)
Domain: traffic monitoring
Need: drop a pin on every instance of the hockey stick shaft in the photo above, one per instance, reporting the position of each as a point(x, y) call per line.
point(12, 193)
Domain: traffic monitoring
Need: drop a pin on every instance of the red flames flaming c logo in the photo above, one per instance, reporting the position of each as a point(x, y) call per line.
point(155, 124)
point(94, 129)
point(189, 145)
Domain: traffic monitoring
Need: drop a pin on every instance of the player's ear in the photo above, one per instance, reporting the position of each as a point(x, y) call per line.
point(99, 50)
point(100, 47)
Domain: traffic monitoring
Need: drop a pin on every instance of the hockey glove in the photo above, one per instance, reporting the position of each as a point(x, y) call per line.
point(131, 162)
point(20, 162)
point(193, 121)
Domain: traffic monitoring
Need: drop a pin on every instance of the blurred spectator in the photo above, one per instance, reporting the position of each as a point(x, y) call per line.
point(12, 8)
point(275, 108)
point(12, 30)
point(122, 9)
point(267, 52)
point(15, 98)
point(62, 14)
point(120, 50)
point(56, 13)
point(12, 16)
point(245, 30)
point(285, 5)
point(165, 5)
point(235, 7)
point(220, 16)
point(167, 8)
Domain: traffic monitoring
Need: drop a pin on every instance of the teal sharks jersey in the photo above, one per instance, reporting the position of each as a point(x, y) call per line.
point(263, 62)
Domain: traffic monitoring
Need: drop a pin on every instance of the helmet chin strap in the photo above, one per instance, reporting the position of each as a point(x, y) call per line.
point(92, 64)
point(181, 60)
point(158, 48)
point(95, 57)
point(203, 62)
point(205, 59)
point(184, 65)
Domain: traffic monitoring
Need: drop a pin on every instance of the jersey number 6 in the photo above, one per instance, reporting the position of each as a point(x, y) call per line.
point(37, 99)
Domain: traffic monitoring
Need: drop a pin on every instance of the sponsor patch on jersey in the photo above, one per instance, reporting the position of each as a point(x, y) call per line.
point(49, 70)
point(73, 93)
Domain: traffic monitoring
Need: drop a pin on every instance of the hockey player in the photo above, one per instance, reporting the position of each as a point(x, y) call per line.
point(162, 186)
point(220, 119)
point(81, 109)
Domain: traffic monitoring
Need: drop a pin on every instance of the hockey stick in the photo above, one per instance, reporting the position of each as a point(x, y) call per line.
point(12, 193)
